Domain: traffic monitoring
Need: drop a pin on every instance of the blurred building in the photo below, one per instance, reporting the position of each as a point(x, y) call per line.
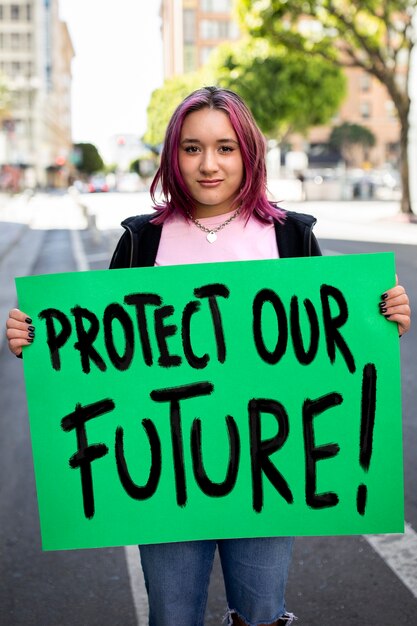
point(192, 28)
point(35, 57)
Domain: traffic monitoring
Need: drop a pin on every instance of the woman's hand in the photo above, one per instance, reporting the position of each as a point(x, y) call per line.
point(20, 331)
point(396, 308)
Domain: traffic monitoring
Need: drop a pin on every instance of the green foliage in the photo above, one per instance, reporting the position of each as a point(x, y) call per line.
point(352, 140)
point(134, 166)
point(5, 97)
point(367, 34)
point(90, 159)
point(286, 91)
point(165, 100)
point(375, 36)
point(351, 134)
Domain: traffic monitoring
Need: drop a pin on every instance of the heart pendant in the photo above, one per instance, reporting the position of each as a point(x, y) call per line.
point(211, 237)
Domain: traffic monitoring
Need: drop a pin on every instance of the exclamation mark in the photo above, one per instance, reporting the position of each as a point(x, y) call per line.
point(367, 429)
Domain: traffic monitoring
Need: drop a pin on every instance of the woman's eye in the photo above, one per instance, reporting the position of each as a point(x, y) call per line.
point(226, 149)
point(191, 149)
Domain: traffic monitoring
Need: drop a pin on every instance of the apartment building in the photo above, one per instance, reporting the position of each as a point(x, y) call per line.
point(35, 129)
point(192, 28)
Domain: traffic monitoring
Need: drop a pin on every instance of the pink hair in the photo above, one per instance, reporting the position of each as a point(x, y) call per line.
point(252, 196)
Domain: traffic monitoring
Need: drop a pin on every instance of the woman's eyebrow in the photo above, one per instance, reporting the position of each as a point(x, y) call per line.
point(225, 140)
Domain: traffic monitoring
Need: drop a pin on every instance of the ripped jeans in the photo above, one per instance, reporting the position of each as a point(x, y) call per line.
point(255, 573)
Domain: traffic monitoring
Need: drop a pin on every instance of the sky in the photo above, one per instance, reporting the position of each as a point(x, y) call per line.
point(118, 64)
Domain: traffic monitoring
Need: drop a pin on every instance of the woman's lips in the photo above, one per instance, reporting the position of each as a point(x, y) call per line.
point(209, 183)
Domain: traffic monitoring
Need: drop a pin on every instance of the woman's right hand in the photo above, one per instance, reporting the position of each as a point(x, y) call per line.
point(20, 331)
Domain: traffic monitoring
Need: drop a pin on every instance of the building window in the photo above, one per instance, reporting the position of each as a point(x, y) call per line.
point(390, 109)
point(205, 52)
point(14, 12)
point(365, 82)
point(189, 26)
point(214, 29)
point(365, 110)
point(190, 58)
point(15, 41)
point(29, 12)
point(216, 6)
point(1, 11)
point(16, 69)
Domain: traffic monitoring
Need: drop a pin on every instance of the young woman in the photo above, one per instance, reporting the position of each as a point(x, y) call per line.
point(214, 208)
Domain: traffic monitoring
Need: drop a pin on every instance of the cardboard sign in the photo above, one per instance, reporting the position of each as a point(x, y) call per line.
point(237, 399)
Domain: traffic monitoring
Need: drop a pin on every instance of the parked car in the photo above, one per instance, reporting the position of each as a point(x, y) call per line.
point(97, 184)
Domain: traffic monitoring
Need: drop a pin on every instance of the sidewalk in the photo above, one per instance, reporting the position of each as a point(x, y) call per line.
point(373, 221)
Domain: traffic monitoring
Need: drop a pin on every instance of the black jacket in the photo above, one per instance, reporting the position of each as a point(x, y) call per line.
point(139, 243)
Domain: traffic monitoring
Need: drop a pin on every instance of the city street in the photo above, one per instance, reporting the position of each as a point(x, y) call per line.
point(334, 581)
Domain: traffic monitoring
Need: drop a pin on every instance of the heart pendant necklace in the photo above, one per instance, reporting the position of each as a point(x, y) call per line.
point(211, 235)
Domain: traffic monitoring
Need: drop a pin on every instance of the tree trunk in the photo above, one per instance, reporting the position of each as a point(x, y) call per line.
point(404, 165)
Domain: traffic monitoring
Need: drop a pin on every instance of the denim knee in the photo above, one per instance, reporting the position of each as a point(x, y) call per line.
point(255, 575)
point(177, 578)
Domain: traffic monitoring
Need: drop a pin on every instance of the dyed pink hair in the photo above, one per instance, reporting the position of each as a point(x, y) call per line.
point(252, 196)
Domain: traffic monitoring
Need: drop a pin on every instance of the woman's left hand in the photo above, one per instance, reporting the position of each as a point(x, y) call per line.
point(395, 307)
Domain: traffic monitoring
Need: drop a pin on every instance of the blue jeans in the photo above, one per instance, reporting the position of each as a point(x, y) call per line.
point(177, 577)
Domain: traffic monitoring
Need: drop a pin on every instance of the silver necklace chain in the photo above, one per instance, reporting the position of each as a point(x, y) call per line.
point(212, 232)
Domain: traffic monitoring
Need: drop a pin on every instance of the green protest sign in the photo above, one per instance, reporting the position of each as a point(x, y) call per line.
point(223, 400)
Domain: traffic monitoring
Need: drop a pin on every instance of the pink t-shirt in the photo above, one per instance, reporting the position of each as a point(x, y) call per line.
point(182, 242)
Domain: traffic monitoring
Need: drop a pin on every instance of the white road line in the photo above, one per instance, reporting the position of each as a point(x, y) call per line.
point(137, 584)
point(400, 554)
point(78, 251)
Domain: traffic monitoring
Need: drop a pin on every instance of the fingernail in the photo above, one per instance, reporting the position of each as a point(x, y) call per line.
point(383, 309)
point(384, 296)
point(32, 328)
point(31, 335)
point(381, 305)
point(30, 340)
point(28, 320)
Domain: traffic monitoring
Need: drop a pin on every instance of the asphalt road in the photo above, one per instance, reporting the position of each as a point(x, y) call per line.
point(334, 581)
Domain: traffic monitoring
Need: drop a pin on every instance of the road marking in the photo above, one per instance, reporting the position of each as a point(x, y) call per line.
point(137, 584)
point(78, 251)
point(400, 554)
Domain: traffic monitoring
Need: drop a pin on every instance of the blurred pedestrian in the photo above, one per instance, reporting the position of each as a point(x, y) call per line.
point(214, 208)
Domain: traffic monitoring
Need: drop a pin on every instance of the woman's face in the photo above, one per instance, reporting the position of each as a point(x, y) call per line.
point(210, 161)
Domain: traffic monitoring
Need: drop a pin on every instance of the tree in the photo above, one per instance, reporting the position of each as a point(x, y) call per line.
point(373, 35)
point(163, 103)
point(5, 98)
point(88, 158)
point(352, 141)
point(287, 92)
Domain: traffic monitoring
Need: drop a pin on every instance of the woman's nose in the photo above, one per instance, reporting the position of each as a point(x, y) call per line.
point(208, 162)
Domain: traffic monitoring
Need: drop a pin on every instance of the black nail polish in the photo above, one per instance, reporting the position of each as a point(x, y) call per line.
point(31, 335)
point(384, 296)
point(30, 340)
point(383, 309)
point(382, 304)
point(32, 328)
point(28, 320)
